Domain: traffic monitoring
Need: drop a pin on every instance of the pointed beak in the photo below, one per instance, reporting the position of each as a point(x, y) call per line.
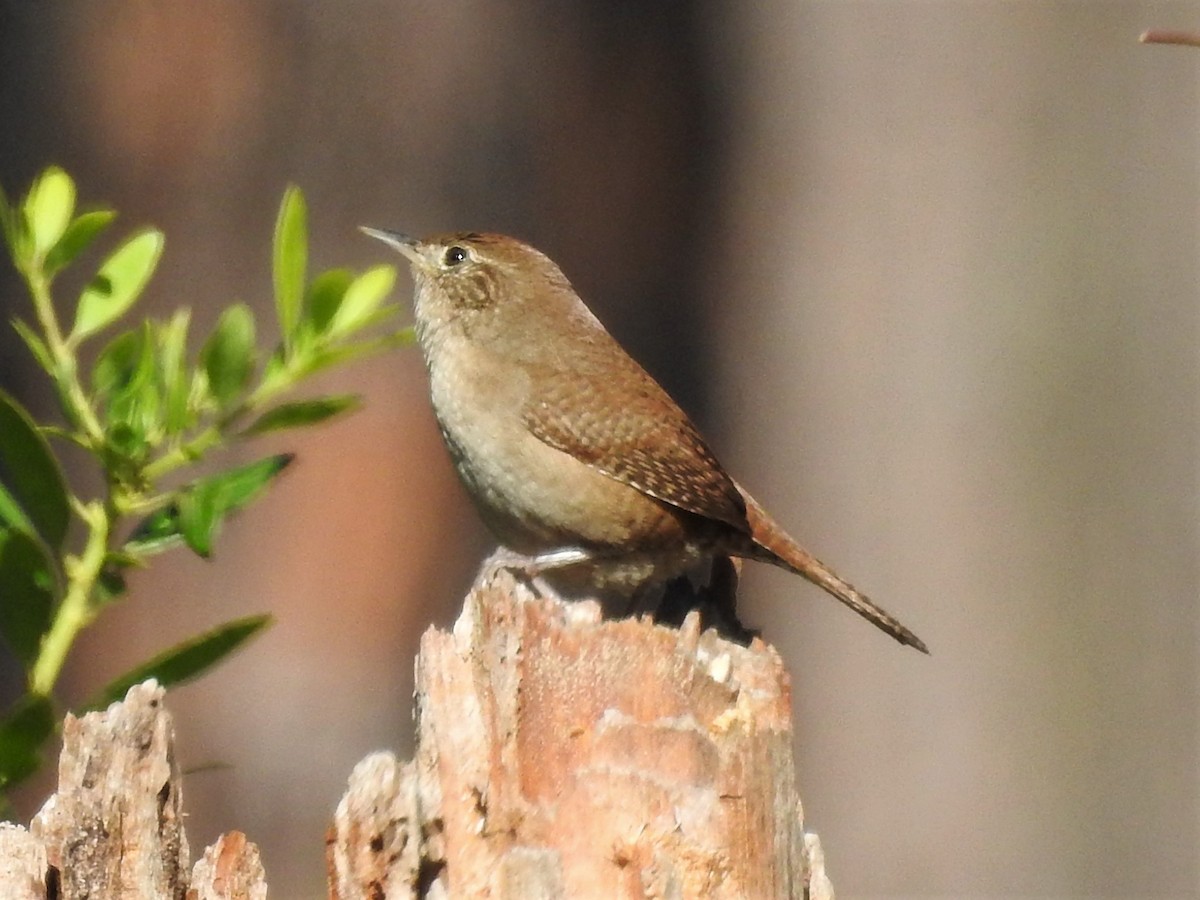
point(396, 240)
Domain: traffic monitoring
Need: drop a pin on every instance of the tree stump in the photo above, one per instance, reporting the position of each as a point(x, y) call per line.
point(561, 755)
point(114, 828)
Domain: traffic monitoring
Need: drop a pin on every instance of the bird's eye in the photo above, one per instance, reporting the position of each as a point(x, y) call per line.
point(454, 256)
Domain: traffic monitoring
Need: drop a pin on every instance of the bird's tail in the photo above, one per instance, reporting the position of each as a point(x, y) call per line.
point(781, 550)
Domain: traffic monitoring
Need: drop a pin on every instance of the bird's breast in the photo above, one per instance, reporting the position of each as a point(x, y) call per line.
point(531, 495)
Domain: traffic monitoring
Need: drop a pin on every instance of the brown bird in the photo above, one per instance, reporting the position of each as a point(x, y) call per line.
point(574, 455)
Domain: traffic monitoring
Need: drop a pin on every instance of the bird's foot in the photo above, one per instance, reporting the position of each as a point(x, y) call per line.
point(531, 569)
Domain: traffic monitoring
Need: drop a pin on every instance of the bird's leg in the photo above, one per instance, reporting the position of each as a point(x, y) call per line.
point(645, 598)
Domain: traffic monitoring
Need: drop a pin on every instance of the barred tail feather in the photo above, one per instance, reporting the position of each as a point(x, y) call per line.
point(778, 548)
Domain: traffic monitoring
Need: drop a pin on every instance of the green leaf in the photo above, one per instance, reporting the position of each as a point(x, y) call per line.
point(119, 364)
point(30, 477)
point(126, 384)
point(303, 412)
point(120, 281)
point(22, 734)
point(380, 316)
point(275, 372)
point(228, 355)
point(157, 532)
point(200, 507)
point(290, 261)
point(78, 237)
point(18, 235)
point(172, 372)
point(187, 660)
point(27, 607)
point(36, 345)
point(362, 299)
point(11, 514)
point(324, 357)
point(48, 208)
point(325, 296)
point(203, 507)
point(199, 519)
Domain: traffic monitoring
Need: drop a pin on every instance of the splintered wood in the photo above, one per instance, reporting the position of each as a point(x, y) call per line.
point(563, 756)
point(114, 828)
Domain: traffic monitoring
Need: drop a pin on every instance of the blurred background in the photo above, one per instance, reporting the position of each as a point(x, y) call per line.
point(924, 272)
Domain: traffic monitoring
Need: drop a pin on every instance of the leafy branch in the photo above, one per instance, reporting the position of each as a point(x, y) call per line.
point(145, 414)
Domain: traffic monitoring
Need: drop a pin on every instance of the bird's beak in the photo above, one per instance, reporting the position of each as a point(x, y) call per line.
point(397, 241)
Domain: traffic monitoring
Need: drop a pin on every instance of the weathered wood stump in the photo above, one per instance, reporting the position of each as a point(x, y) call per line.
point(559, 755)
point(114, 828)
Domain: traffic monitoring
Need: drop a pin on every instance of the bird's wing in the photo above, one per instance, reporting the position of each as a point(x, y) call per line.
point(619, 421)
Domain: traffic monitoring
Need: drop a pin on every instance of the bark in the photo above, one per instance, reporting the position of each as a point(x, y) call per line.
point(22, 864)
point(229, 870)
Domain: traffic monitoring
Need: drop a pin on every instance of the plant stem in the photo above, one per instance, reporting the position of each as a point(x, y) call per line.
point(74, 612)
point(82, 572)
point(182, 455)
point(79, 409)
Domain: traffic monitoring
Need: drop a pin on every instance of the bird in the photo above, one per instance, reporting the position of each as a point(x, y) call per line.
point(574, 456)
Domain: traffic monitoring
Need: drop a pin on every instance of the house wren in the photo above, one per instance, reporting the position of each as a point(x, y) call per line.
point(574, 455)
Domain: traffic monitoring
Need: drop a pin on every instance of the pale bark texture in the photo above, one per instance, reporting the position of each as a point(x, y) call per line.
point(229, 870)
point(561, 755)
point(22, 864)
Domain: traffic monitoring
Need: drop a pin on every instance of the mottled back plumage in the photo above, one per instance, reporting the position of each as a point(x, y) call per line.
point(624, 425)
